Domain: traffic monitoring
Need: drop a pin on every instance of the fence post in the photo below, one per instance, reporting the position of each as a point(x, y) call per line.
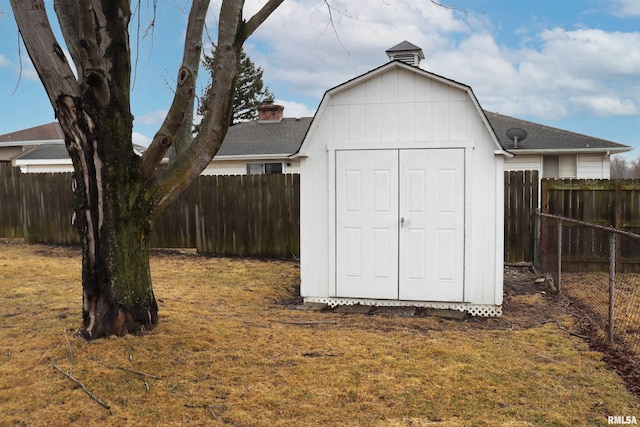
point(536, 238)
point(612, 283)
point(559, 256)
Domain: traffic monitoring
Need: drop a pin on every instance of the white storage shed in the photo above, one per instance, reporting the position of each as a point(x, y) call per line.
point(402, 195)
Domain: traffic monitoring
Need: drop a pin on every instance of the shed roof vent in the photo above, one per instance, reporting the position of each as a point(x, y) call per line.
point(405, 52)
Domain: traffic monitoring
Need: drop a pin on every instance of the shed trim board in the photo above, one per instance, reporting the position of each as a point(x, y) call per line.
point(482, 310)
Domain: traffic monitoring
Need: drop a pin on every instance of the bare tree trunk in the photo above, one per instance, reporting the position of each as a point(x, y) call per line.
point(113, 215)
point(117, 193)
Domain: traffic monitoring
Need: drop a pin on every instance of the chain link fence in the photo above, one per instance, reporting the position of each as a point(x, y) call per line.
point(598, 269)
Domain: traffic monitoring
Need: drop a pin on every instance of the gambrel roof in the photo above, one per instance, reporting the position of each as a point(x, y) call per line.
point(500, 149)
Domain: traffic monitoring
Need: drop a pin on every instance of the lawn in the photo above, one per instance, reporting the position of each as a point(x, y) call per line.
point(232, 349)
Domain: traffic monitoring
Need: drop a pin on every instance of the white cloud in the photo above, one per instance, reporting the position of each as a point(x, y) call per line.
point(295, 109)
point(4, 61)
point(152, 118)
point(626, 7)
point(586, 71)
point(326, 51)
point(140, 139)
point(606, 105)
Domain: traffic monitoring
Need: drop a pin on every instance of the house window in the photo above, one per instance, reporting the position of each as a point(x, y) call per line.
point(550, 167)
point(559, 166)
point(263, 168)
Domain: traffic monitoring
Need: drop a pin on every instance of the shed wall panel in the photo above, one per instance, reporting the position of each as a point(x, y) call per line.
point(406, 87)
point(424, 121)
point(390, 122)
point(389, 88)
point(357, 123)
point(440, 121)
point(406, 122)
point(374, 91)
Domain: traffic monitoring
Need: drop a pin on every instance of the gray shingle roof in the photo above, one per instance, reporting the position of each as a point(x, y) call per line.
point(46, 152)
point(546, 138)
point(50, 131)
point(265, 138)
point(283, 138)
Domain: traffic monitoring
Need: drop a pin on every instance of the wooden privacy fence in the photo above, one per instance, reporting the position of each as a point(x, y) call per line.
point(614, 203)
point(608, 202)
point(259, 215)
point(242, 215)
point(11, 220)
point(235, 215)
point(520, 204)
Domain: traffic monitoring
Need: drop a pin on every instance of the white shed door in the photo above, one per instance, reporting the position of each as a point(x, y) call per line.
point(400, 224)
point(367, 224)
point(432, 225)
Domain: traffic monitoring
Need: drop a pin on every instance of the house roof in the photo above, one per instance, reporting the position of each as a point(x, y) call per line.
point(43, 134)
point(265, 138)
point(45, 152)
point(283, 138)
point(541, 138)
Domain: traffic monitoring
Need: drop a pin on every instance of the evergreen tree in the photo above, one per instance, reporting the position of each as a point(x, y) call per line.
point(249, 93)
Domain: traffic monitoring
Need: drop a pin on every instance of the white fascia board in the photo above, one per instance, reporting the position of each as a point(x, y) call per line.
point(603, 150)
point(30, 143)
point(253, 157)
point(33, 162)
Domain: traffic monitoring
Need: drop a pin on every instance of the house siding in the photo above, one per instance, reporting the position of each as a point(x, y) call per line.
point(581, 165)
point(523, 162)
point(239, 167)
point(593, 166)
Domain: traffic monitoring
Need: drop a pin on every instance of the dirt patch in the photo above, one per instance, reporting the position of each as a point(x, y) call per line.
point(530, 299)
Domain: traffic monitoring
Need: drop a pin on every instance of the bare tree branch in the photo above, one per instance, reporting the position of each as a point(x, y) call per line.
point(93, 64)
point(232, 33)
point(67, 11)
point(84, 387)
point(45, 52)
point(257, 19)
point(185, 90)
point(186, 168)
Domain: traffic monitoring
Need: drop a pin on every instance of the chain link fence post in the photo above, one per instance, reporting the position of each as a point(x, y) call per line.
point(559, 256)
point(612, 284)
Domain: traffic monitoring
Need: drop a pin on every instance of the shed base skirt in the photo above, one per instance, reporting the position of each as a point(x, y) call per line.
point(479, 310)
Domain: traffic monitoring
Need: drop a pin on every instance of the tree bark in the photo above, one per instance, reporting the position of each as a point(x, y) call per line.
point(118, 194)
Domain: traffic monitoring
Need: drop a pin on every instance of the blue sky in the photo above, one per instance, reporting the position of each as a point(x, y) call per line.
point(572, 64)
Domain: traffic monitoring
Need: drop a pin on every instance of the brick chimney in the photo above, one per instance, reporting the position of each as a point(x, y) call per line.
point(270, 112)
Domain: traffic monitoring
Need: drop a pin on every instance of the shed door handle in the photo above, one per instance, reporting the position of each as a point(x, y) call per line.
point(401, 222)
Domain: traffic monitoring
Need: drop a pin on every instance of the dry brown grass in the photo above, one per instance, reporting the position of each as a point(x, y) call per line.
point(228, 352)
